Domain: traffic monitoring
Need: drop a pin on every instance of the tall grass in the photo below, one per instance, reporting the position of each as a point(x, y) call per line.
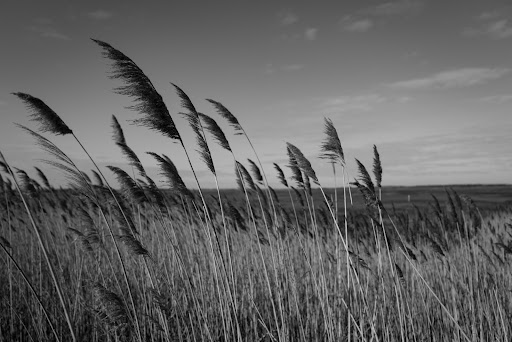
point(97, 262)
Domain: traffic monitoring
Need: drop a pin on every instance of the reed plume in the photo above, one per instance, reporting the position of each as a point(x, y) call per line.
point(120, 141)
point(185, 100)
point(365, 178)
point(169, 171)
point(148, 102)
point(131, 190)
point(377, 167)
point(62, 162)
point(48, 120)
point(111, 304)
point(228, 116)
point(245, 175)
point(214, 129)
point(294, 167)
point(255, 171)
point(331, 147)
point(43, 178)
point(302, 162)
point(280, 175)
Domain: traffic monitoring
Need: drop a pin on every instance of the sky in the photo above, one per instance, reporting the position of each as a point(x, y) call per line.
point(428, 82)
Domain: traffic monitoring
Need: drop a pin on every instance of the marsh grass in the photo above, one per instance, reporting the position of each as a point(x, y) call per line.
point(97, 262)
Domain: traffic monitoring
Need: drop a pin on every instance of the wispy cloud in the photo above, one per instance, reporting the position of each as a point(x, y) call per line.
point(49, 32)
point(311, 33)
point(308, 34)
point(472, 151)
point(490, 24)
point(293, 67)
point(287, 18)
point(489, 15)
point(100, 14)
point(354, 24)
point(454, 78)
point(497, 99)
point(399, 7)
point(366, 18)
point(350, 103)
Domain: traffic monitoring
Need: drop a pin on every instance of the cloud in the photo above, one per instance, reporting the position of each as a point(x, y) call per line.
point(489, 15)
point(454, 78)
point(49, 32)
point(478, 150)
point(350, 103)
point(497, 99)
point(287, 18)
point(391, 8)
point(100, 15)
point(311, 33)
point(491, 24)
point(365, 19)
point(293, 67)
point(351, 24)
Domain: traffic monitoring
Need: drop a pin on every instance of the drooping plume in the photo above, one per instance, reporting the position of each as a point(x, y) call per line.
point(203, 148)
point(302, 162)
point(331, 147)
point(148, 102)
point(211, 126)
point(129, 187)
point(120, 141)
point(117, 131)
point(366, 187)
point(170, 172)
point(62, 163)
point(43, 177)
point(294, 167)
point(365, 178)
point(48, 120)
point(111, 305)
point(226, 114)
point(246, 176)
point(185, 100)
point(280, 175)
point(377, 167)
point(256, 171)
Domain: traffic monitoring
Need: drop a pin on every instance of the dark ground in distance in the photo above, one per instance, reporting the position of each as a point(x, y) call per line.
point(485, 196)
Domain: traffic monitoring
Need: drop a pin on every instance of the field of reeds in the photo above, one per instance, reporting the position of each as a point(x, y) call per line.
point(133, 261)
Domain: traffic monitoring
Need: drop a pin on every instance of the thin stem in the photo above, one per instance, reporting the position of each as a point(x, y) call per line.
point(45, 252)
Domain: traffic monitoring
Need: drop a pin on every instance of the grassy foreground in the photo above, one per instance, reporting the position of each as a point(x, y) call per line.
point(132, 262)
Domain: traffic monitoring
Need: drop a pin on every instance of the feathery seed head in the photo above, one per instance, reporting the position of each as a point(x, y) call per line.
point(280, 175)
point(227, 115)
point(211, 126)
point(377, 167)
point(168, 169)
point(256, 171)
point(49, 120)
point(117, 133)
point(302, 162)
point(148, 101)
point(331, 147)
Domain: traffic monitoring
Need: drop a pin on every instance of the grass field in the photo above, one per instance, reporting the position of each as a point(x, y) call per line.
point(132, 262)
